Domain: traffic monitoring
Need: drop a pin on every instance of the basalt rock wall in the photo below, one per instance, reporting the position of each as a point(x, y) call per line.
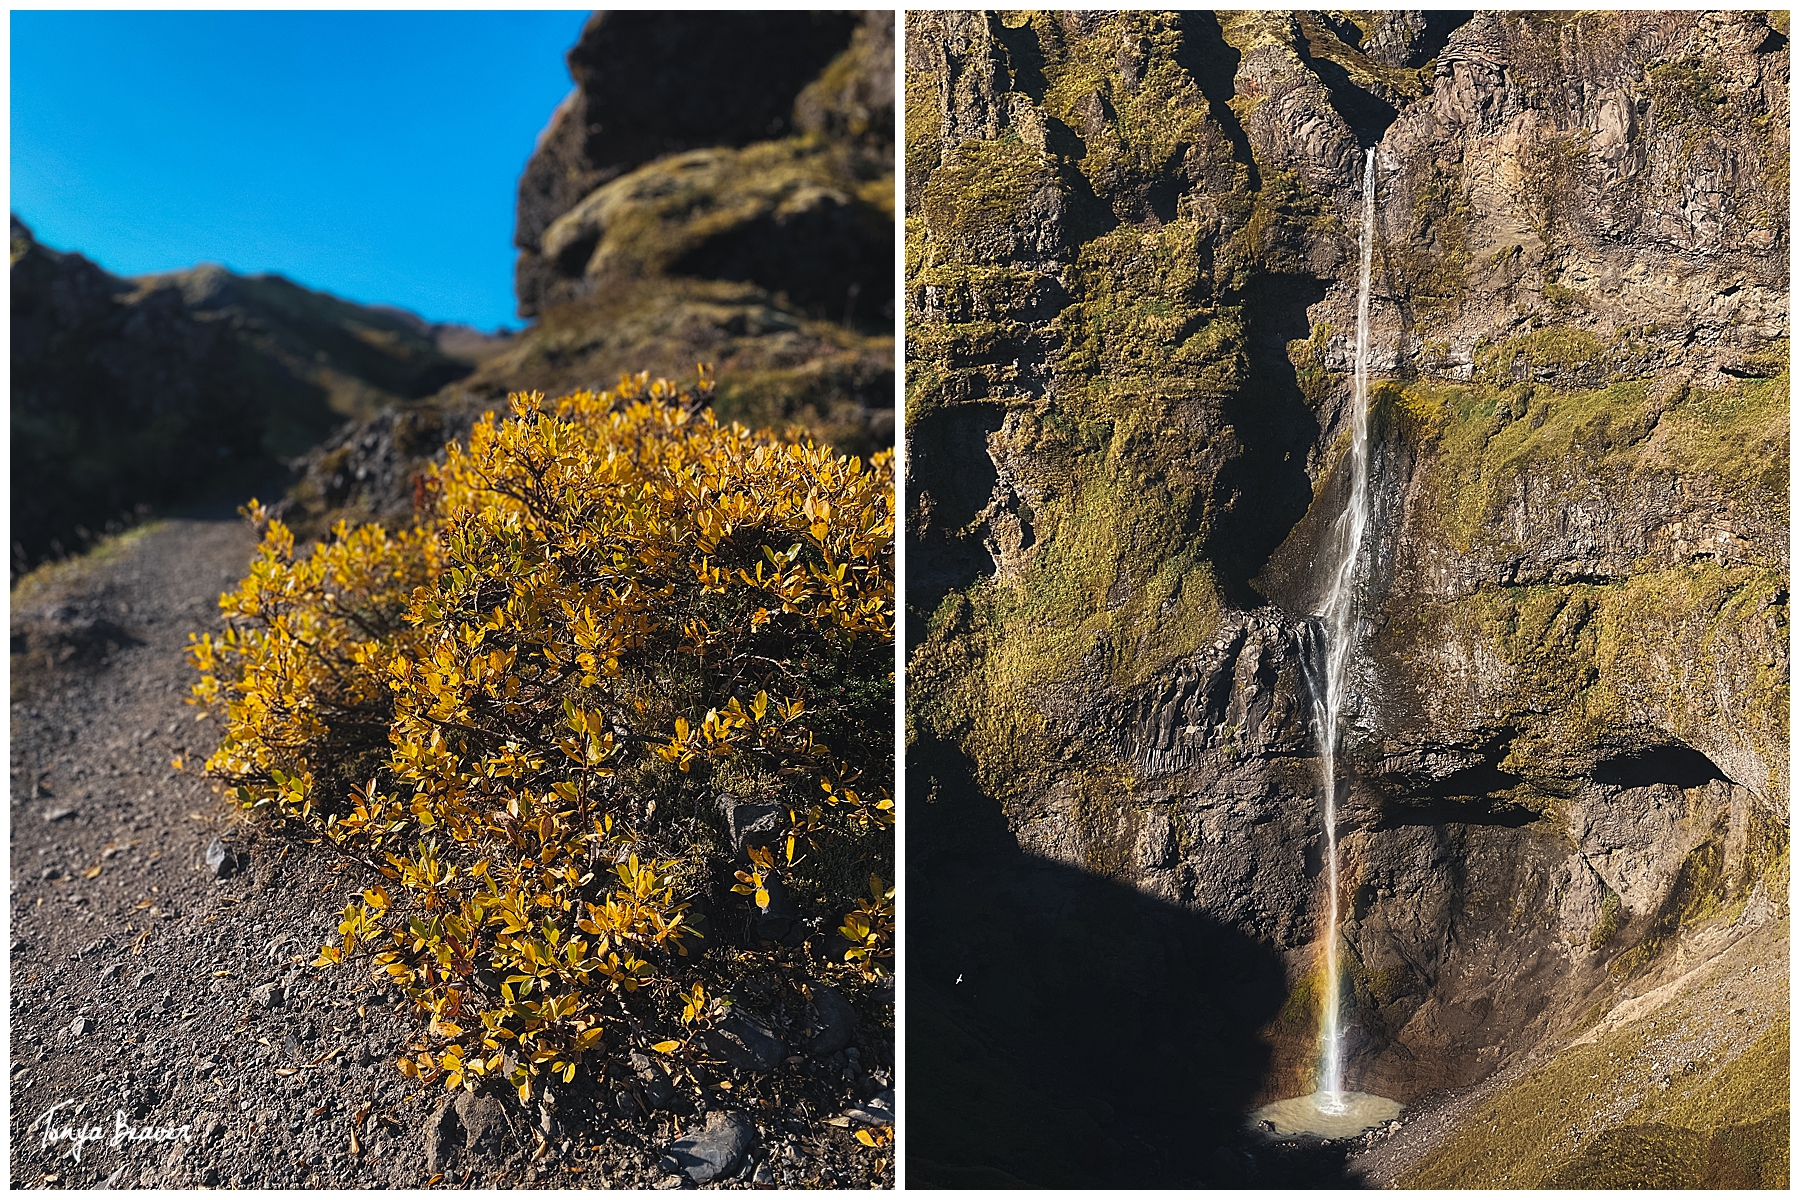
point(1131, 288)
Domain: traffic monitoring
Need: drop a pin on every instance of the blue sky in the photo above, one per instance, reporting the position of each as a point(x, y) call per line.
point(374, 155)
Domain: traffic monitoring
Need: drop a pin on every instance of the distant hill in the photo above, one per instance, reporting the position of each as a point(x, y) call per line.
point(136, 394)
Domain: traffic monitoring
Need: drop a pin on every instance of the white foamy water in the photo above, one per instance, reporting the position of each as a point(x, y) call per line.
point(1327, 1115)
point(1338, 627)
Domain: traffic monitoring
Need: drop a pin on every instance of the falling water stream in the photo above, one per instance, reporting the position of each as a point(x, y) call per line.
point(1331, 1111)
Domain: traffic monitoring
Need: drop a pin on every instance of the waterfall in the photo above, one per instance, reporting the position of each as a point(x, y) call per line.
point(1330, 1111)
point(1338, 622)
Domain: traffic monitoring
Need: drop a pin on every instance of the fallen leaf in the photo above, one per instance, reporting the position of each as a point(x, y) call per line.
point(285, 1070)
point(92, 872)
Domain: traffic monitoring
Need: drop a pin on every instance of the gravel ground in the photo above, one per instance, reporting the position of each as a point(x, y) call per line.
point(174, 1012)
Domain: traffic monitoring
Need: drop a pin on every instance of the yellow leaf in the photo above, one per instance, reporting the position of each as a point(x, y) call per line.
point(866, 1138)
point(666, 1047)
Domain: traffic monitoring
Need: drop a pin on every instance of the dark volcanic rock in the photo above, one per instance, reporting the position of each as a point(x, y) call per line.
point(714, 1151)
point(746, 1042)
point(836, 1025)
point(650, 84)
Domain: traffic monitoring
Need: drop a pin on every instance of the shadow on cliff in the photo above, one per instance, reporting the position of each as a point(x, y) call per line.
point(1213, 63)
point(1064, 1030)
point(945, 550)
point(1265, 491)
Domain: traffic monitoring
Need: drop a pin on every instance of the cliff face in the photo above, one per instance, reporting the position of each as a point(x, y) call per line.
point(120, 386)
point(1132, 276)
point(719, 188)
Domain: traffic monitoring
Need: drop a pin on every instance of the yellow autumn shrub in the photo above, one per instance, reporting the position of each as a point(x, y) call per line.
point(518, 716)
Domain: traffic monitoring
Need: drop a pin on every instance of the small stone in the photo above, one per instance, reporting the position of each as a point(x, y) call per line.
point(658, 1091)
point(442, 1132)
point(269, 995)
point(879, 1111)
point(210, 1177)
point(751, 823)
point(80, 1026)
point(219, 858)
point(50, 873)
point(715, 1151)
point(763, 1176)
point(59, 814)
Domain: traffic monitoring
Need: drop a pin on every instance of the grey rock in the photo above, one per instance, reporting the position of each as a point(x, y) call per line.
point(482, 1119)
point(220, 859)
point(59, 814)
point(658, 1091)
point(268, 995)
point(442, 1135)
point(746, 1042)
point(877, 1111)
point(713, 1152)
point(835, 1025)
point(751, 823)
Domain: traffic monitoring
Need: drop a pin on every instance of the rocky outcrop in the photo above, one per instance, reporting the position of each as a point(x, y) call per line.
point(121, 386)
point(1132, 279)
point(717, 189)
point(649, 85)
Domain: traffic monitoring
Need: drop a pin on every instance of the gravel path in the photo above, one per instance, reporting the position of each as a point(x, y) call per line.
point(150, 996)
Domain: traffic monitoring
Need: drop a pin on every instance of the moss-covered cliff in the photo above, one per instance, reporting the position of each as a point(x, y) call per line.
point(1130, 275)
